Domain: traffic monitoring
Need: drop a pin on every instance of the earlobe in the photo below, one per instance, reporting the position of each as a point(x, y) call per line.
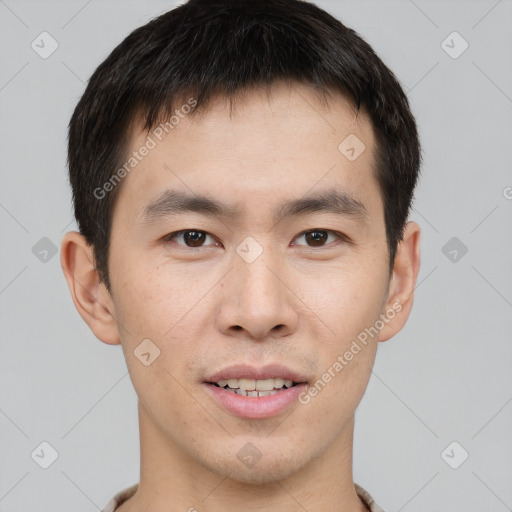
point(91, 299)
point(403, 281)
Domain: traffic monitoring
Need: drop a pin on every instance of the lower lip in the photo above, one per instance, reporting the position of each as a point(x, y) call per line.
point(255, 407)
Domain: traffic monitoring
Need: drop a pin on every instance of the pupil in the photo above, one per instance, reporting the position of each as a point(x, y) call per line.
point(196, 239)
point(319, 238)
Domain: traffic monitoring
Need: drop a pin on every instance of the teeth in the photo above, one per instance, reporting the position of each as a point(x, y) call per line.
point(241, 392)
point(247, 384)
point(265, 385)
point(253, 387)
point(278, 383)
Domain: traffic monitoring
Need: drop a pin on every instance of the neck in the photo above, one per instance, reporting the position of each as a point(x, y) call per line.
point(169, 477)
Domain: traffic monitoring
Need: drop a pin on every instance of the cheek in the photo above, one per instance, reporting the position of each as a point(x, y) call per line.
point(153, 307)
point(339, 387)
point(150, 301)
point(349, 306)
point(155, 304)
point(347, 302)
point(143, 317)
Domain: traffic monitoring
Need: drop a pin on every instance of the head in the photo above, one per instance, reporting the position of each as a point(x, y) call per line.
point(242, 173)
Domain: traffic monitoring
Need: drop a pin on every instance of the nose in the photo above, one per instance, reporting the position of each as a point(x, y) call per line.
point(257, 301)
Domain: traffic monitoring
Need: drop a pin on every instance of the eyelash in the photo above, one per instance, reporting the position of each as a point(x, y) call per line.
point(341, 236)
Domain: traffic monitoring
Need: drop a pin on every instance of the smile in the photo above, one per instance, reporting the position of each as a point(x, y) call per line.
point(253, 387)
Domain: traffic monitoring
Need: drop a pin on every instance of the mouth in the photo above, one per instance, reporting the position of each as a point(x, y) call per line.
point(255, 393)
point(255, 388)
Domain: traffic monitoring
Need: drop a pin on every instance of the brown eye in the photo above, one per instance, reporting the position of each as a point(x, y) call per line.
point(192, 238)
point(317, 237)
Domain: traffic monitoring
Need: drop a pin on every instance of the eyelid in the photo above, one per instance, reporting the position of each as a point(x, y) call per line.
point(341, 236)
point(174, 234)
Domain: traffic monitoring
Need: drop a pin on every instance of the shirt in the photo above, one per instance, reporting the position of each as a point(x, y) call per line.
point(127, 493)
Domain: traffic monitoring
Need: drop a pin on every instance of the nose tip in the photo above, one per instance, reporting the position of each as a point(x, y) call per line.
point(256, 301)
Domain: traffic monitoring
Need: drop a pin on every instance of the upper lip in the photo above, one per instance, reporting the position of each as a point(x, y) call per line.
point(269, 371)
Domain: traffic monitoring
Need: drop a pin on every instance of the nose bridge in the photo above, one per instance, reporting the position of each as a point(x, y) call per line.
point(256, 297)
point(259, 287)
point(258, 284)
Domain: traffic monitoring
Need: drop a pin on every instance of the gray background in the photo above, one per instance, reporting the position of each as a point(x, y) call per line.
point(446, 377)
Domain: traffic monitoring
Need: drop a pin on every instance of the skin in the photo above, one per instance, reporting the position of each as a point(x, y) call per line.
point(188, 300)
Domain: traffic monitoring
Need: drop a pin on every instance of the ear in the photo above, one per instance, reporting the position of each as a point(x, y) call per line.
point(90, 296)
point(403, 281)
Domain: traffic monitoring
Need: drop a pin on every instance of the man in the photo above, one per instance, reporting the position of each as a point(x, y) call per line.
point(242, 173)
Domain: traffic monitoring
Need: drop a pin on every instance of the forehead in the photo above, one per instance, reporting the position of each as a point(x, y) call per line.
point(278, 143)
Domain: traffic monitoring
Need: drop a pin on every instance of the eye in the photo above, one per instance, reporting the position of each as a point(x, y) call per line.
point(191, 237)
point(319, 237)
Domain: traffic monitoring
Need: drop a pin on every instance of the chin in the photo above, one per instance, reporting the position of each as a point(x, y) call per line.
point(269, 468)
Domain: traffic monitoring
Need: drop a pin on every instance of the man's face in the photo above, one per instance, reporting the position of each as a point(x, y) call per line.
point(253, 289)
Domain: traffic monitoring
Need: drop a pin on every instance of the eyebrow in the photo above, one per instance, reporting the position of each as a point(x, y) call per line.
point(333, 200)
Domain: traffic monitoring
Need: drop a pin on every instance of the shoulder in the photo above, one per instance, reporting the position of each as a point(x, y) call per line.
point(367, 499)
point(119, 498)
